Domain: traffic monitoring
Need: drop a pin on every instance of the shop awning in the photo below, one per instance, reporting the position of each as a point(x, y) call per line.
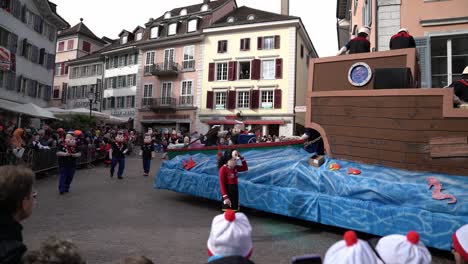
point(247, 122)
point(8, 105)
point(31, 109)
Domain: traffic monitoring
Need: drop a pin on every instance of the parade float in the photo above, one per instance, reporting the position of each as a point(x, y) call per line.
point(396, 159)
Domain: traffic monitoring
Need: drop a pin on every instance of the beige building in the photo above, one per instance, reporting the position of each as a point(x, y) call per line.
point(256, 70)
point(440, 29)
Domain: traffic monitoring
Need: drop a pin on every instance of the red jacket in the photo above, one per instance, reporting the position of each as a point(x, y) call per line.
point(229, 176)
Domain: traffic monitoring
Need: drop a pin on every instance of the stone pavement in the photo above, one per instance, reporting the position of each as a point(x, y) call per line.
point(110, 219)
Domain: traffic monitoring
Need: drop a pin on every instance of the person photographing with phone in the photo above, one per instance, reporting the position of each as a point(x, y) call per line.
point(228, 169)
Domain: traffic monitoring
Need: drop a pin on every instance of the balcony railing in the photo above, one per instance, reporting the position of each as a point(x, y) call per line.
point(162, 104)
point(166, 69)
point(186, 100)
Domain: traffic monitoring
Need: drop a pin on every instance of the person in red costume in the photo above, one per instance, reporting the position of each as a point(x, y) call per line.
point(228, 169)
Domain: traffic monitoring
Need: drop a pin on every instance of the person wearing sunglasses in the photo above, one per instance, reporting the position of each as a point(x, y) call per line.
point(16, 204)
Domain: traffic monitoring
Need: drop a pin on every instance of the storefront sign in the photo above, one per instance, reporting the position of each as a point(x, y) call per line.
point(300, 109)
point(169, 116)
point(5, 59)
point(124, 112)
point(267, 105)
point(79, 104)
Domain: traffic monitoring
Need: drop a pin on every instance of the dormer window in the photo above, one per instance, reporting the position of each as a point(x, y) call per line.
point(154, 32)
point(167, 15)
point(204, 8)
point(139, 36)
point(183, 12)
point(250, 17)
point(230, 19)
point(124, 39)
point(172, 29)
point(192, 25)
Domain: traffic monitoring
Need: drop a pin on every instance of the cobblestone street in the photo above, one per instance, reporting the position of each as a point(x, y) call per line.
point(110, 219)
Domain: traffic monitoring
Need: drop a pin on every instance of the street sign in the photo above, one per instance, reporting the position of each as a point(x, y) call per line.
point(300, 109)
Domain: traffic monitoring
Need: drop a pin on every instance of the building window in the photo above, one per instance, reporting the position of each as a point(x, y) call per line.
point(168, 57)
point(75, 72)
point(230, 19)
point(172, 29)
point(131, 80)
point(204, 8)
point(154, 32)
point(221, 71)
point(124, 39)
point(266, 99)
point(244, 70)
point(166, 93)
point(86, 46)
point(222, 46)
point(268, 43)
point(167, 15)
point(268, 69)
point(147, 94)
point(220, 100)
point(189, 58)
point(302, 51)
point(192, 25)
point(121, 82)
point(61, 46)
point(85, 71)
point(130, 101)
point(70, 44)
point(183, 12)
point(449, 56)
point(186, 93)
point(56, 94)
point(243, 99)
point(139, 36)
point(58, 69)
point(245, 44)
point(120, 102)
point(367, 13)
point(150, 56)
point(123, 60)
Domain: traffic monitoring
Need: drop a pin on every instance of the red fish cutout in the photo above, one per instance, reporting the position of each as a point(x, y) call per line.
point(190, 164)
point(354, 171)
point(437, 194)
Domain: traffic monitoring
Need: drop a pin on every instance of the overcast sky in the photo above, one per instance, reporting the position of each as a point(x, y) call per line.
point(109, 17)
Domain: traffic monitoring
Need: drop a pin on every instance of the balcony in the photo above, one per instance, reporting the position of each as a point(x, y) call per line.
point(170, 69)
point(185, 101)
point(160, 105)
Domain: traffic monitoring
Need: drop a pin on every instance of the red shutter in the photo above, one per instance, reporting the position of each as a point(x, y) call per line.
point(209, 99)
point(259, 43)
point(242, 44)
point(211, 72)
point(254, 101)
point(234, 71)
point(62, 69)
point(255, 69)
point(231, 100)
point(231, 73)
point(279, 69)
point(277, 98)
point(277, 42)
point(247, 44)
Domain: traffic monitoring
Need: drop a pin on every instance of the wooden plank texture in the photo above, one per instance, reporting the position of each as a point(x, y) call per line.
point(449, 140)
point(445, 151)
point(381, 101)
point(390, 145)
point(395, 113)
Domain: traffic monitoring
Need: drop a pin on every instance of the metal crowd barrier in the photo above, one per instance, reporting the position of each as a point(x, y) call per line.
point(46, 159)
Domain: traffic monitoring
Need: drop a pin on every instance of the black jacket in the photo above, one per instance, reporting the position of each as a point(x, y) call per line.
point(11, 240)
point(402, 40)
point(358, 45)
point(461, 89)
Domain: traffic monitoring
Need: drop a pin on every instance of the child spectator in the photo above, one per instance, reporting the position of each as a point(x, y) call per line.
point(460, 245)
point(351, 250)
point(55, 251)
point(408, 249)
point(230, 239)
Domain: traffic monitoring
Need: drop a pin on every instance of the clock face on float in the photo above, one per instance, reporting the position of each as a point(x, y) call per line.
point(359, 74)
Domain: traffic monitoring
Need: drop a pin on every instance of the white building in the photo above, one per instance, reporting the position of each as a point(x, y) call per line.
point(28, 30)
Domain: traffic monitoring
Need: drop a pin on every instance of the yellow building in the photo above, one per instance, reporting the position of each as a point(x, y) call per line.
point(256, 71)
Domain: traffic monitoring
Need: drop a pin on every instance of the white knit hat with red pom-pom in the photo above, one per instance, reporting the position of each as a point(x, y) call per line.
point(403, 249)
point(460, 242)
point(351, 250)
point(230, 235)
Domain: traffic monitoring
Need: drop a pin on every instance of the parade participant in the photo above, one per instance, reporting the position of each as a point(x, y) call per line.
point(359, 44)
point(67, 155)
point(106, 149)
point(117, 154)
point(61, 135)
point(147, 152)
point(403, 249)
point(460, 245)
point(402, 40)
point(228, 169)
point(350, 250)
point(461, 88)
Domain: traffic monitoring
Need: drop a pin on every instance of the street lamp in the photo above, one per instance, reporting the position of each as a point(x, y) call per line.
point(91, 99)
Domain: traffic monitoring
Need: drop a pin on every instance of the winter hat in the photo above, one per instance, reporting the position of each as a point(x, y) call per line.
point(351, 250)
point(460, 241)
point(403, 249)
point(403, 30)
point(465, 71)
point(230, 235)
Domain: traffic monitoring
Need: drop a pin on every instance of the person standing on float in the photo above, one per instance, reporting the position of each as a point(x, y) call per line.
point(228, 180)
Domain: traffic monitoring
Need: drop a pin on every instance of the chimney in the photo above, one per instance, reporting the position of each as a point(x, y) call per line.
point(285, 7)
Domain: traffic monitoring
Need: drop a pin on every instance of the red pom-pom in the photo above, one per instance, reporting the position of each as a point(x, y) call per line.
point(230, 215)
point(413, 237)
point(350, 238)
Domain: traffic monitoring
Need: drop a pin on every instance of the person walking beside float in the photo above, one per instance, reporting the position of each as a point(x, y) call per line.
point(228, 180)
point(67, 154)
point(117, 155)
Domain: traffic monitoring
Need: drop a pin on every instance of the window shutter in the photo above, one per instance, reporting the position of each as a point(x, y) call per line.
point(256, 69)
point(219, 46)
point(23, 13)
point(225, 46)
point(211, 72)
point(277, 98)
point(62, 69)
point(242, 44)
point(24, 47)
point(231, 100)
point(259, 43)
point(13, 43)
point(209, 100)
point(247, 44)
point(64, 92)
point(424, 49)
point(13, 63)
point(279, 69)
point(18, 83)
point(254, 101)
point(277, 42)
point(232, 70)
point(41, 56)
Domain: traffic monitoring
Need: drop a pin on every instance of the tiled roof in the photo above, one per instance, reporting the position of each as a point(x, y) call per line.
point(79, 28)
point(194, 8)
point(242, 13)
